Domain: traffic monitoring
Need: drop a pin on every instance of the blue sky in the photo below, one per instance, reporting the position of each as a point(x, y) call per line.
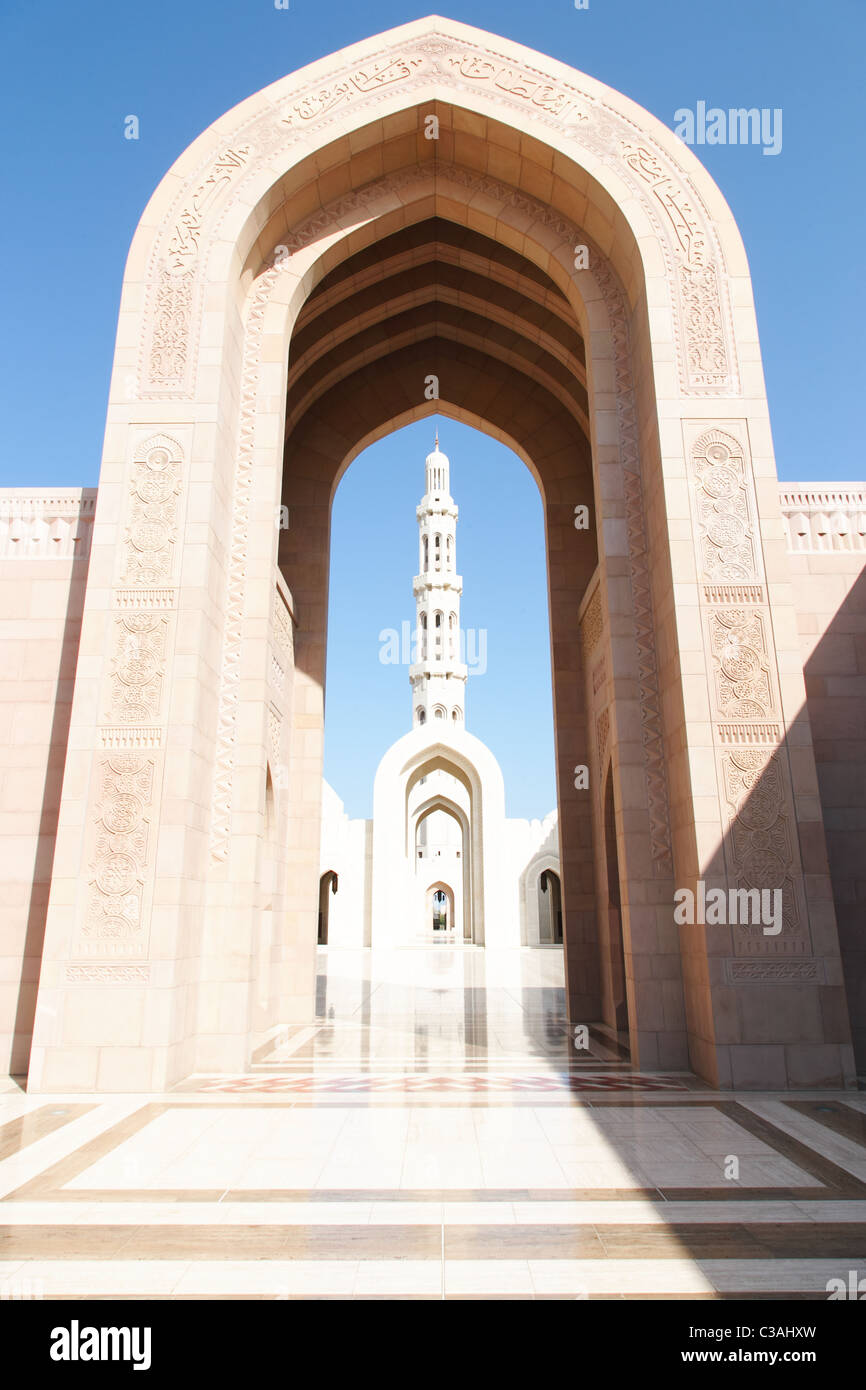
point(75, 188)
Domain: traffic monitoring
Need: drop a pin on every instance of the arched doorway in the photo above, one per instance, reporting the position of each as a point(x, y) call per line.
point(442, 847)
point(549, 908)
point(328, 885)
point(440, 909)
point(314, 271)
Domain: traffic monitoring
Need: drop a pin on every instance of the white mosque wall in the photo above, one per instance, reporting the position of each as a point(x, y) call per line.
point(490, 864)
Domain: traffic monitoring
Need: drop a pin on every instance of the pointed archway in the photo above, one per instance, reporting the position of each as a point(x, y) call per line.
point(433, 219)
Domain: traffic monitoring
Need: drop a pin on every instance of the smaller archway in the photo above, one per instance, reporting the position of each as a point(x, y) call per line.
point(440, 909)
point(549, 908)
point(328, 885)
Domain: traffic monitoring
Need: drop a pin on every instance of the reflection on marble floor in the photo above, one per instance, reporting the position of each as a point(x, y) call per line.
point(439, 1005)
point(430, 1135)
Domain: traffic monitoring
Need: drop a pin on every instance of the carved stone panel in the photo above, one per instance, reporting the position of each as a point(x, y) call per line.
point(151, 534)
point(114, 924)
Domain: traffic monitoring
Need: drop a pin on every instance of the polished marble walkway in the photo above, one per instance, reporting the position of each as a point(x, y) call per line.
point(432, 1133)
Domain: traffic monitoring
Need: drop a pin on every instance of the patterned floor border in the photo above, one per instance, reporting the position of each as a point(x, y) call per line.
point(471, 1083)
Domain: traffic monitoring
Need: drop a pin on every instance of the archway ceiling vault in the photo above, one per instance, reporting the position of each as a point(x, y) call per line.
point(437, 298)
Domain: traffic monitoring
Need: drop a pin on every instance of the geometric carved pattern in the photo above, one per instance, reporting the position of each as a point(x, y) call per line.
point(97, 973)
point(727, 545)
point(592, 623)
point(139, 666)
point(283, 635)
point(761, 844)
point(741, 667)
point(237, 572)
point(152, 529)
point(115, 900)
point(602, 733)
point(768, 971)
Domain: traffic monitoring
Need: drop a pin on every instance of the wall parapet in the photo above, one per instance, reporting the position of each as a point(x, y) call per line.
point(824, 517)
point(46, 523)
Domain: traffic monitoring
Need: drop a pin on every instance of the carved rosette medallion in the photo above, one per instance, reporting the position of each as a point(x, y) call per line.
point(755, 788)
point(741, 668)
point(139, 665)
point(113, 921)
point(152, 529)
point(761, 844)
point(725, 513)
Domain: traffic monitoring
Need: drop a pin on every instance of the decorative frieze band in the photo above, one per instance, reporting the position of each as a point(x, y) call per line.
point(655, 178)
point(44, 524)
point(98, 973)
point(125, 737)
point(828, 518)
point(774, 971)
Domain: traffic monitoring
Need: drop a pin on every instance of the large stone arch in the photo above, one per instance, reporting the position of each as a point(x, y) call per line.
point(155, 899)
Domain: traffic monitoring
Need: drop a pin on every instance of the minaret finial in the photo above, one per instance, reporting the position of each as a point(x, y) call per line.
point(436, 445)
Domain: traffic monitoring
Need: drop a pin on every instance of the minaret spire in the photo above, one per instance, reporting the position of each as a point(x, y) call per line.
point(438, 676)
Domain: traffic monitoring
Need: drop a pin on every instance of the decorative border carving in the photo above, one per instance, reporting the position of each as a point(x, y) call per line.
point(592, 623)
point(96, 973)
point(825, 519)
point(43, 524)
point(221, 801)
point(774, 971)
point(700, 299)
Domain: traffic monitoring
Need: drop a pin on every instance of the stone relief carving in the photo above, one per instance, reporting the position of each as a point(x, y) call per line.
point(152, 530)
point(705, 341)
point(830, 519)
point(283, 635)
point(599, 676)
point(139, 666)
point(602, 734)
point(236, 582)
point(171, 313)
point(183, 248)
point(114, 912)
point(727, 546)
point(93, 973)
point(768, 971)
point(46, 524)
point(673, 200)
point(592, 623)
point(741, 668)
point(761, 846)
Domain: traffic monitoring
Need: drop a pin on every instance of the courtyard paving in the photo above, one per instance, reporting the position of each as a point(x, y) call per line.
point(433, 1134)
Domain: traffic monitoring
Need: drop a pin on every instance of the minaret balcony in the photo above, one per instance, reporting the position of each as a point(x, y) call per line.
point(431, 505)
point(437, 579)
point(430, 670)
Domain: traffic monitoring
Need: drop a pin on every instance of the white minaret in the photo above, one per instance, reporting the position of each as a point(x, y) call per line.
point(438, 677)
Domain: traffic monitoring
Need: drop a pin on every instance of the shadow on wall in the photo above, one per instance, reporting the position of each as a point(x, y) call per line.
point(49, 811)
point(781, 1006)
point(836, 701)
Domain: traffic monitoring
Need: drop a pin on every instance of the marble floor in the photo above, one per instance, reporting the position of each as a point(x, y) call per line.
point(433, 1134)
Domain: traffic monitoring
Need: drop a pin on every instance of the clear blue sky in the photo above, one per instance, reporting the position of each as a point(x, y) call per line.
point(74, 189)
point(500, 554)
